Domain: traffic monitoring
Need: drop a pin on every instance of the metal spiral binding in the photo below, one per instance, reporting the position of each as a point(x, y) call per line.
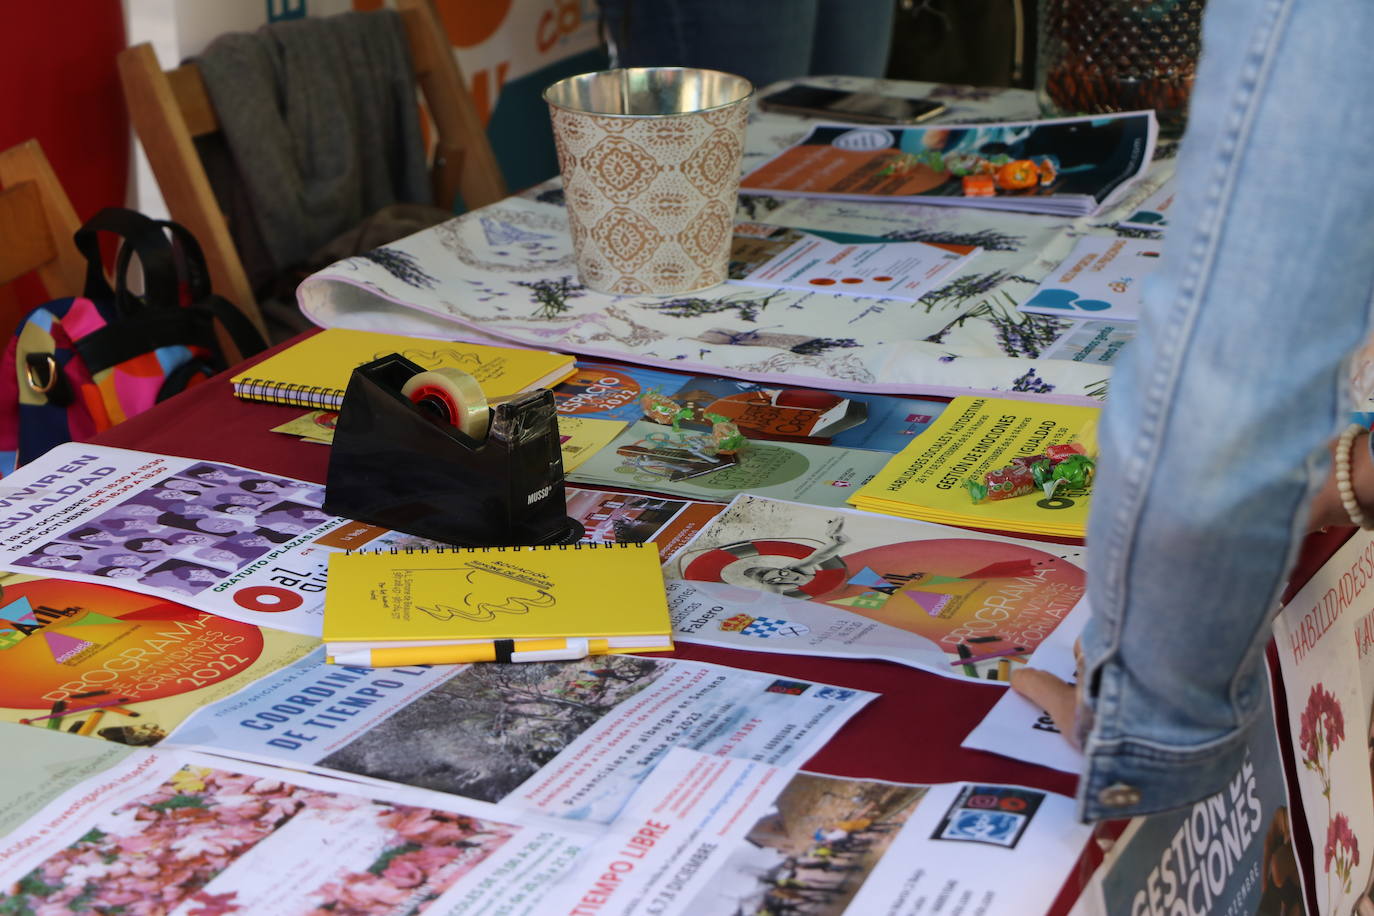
point(579, 546)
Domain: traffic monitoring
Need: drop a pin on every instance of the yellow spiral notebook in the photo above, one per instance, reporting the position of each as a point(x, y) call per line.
point(433, 606)
point(315, 372)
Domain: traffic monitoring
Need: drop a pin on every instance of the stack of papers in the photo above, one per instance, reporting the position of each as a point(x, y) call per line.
point(972, 437)
point(1101, 278)
point(1064, 166)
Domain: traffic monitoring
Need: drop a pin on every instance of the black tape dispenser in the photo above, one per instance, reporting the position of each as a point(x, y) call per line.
point(423, 452)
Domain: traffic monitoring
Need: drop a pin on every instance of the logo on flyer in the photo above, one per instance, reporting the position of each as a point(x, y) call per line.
point(791, 688)
point(996, 815)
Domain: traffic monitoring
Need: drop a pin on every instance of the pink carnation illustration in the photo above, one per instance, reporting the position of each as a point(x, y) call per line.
point(1342, 848)
point(1321, 731)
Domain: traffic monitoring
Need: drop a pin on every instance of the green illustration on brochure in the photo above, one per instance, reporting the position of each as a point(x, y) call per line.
point(682, 462)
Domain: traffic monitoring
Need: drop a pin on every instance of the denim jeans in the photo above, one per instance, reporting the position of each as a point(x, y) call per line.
point(1214, 436)
point(762, 40)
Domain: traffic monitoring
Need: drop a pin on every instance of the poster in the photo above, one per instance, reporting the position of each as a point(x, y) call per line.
point(1228, 855)
point(776, 576)
point(1325, 635)
point(568, 739)
point(683, 463)
point(245, 545)
point(119, 665)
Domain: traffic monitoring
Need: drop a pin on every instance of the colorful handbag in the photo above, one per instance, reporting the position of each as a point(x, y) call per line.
point(83, 364)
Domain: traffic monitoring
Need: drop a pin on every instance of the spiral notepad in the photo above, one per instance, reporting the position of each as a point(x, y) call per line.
point(315, 372)
point(450, 596)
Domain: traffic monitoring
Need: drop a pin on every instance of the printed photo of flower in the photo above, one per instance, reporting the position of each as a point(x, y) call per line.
point(209, 842)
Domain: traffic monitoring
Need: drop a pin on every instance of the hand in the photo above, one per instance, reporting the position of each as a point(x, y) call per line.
point(1053, 695)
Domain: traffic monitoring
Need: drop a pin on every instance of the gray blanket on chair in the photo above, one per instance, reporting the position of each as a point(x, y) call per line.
point(320, 117)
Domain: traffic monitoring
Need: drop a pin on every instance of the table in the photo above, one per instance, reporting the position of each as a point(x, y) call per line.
point(915, 710)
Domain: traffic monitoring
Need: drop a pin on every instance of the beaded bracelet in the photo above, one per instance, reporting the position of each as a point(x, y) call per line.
point(1343, 485)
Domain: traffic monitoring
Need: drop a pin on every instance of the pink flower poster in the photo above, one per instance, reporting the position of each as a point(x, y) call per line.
point(1325, 636)
point(193, 835)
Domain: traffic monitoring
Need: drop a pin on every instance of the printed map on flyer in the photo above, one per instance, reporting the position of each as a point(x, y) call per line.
point(571, 740)
point(1100, 278)
point(248, 546)
point(886, 270)
point(775, 576)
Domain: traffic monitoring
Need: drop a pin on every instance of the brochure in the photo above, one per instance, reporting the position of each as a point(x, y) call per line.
point(1102, 276)
point(1066, 166)
point(976, 439)
point(567, 739)
point(828, 846)
point(617, 517)
point(245, 545)
point(610, 391)
point(187, 833)
point(682, 462)
point(882, 270)
point(774, 576)
point(1325, 638)
point(1017, 728)
point(1229, 854)
point(1153, 213)
point(880, 422)
point(119, 665)
point(1093, 342)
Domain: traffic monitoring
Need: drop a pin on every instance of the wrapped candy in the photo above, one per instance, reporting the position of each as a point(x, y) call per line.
point(726, 438)
point(662, 409)
point(1061, 466)
point(1003, 483)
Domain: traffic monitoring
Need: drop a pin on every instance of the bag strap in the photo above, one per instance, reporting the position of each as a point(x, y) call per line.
point(187, 256)
point(139, 235)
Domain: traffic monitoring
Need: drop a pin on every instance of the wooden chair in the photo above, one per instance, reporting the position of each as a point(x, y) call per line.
point(169, 108)
point(36, 226)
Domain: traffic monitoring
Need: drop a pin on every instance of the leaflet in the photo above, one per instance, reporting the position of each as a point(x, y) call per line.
point(1153, 212)
point(884, 270)
point(1017, 728)
point(682, 462)
point(119, 665)
point(567, 739)
point(248, 546)
point(199, 835)
point(1101, 277)
point(1089, 341)
point(729, 836)
point(774, 576)
point(884, 423)
point(617, 517)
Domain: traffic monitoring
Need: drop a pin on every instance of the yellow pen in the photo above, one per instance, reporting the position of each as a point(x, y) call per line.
point(512, 650)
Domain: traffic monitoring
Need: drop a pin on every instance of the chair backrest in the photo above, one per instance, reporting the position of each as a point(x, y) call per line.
point(170, 108)
point(37, 222)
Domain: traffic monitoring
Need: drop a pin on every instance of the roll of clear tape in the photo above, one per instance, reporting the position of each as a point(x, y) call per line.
point(455, 396)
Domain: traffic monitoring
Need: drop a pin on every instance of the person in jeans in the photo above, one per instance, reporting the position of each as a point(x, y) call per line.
point(1215, 438)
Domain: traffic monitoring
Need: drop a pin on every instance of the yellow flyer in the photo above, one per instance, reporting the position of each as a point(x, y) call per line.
point(113, 664)
point(973, 436)
point(582, 437)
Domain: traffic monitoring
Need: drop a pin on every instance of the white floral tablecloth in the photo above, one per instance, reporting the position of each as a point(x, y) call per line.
point(506, 272)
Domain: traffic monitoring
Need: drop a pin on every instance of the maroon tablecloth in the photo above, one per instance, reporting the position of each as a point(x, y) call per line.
point(911, 733)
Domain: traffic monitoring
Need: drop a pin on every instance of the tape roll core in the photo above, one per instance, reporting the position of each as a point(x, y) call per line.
point(454, 395)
